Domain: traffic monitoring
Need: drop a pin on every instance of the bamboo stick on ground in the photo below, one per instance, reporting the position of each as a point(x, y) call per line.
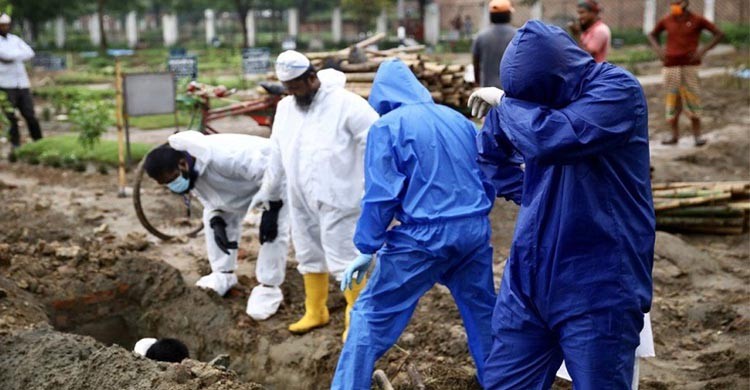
point(677, 203)
point(704, 211)
point(699, 222)
point(705, 230)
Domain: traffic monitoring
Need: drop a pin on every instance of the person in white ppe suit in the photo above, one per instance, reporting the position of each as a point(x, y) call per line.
point(317, 148)
point(225, 172)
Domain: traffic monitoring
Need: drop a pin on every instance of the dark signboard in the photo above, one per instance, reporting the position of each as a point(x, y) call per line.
point(183, 66)
point(256, 60)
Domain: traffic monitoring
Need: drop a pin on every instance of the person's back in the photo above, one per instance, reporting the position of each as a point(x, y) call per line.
point(437, 155)
point(489, 45)
point(433, 147)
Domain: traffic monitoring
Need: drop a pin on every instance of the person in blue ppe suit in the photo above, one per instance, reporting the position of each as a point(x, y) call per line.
point(421, 169)
point(578, 279)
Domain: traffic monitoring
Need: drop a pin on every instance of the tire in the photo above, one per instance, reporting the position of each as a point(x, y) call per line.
point(150, 222)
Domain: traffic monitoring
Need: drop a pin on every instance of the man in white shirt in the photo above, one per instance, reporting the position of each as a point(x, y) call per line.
point(317, 149)
point(15, 82)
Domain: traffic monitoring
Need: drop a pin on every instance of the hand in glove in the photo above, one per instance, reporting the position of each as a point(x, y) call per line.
point(483, 99)
point(219, 227)
point(359, 265)
point(269, 222)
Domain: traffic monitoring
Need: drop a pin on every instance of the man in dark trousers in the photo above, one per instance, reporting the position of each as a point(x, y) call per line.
point(15, 82)
point(490, 44)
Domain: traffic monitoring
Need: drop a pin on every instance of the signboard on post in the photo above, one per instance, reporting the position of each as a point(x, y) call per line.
point(183, 66)
point(256, 60)
point(48, 62)
point(149, 94)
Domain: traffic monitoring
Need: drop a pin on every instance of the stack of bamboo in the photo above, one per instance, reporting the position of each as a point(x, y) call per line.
point(445, 82)
point(703, 207)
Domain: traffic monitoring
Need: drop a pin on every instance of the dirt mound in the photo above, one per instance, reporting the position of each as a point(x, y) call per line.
point(725, 157)
point(40, 358)
point(699, 314)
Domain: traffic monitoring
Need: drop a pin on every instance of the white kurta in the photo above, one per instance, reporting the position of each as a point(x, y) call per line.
point(13, 52)
point(320, 152)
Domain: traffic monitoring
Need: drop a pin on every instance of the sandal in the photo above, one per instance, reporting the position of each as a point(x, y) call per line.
point(670, 141)
point(700, 142)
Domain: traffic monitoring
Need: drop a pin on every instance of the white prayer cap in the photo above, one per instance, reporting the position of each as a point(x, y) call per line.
point(142, 346)
point(290, 65)
point(4, 19)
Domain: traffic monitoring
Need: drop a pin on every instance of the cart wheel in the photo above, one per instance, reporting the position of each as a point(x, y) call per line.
point(162, 213)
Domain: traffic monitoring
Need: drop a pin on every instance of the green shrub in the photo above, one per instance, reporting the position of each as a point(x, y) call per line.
point(736, 34)
point(91, 118)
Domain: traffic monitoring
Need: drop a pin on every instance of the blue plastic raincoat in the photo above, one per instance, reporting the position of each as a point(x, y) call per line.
point(578, 279)
point(421, 169)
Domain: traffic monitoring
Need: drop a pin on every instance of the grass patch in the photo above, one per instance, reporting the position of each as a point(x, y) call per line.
point(73, 78)
point(152, 122)
point(631, 55)
point(65, 151)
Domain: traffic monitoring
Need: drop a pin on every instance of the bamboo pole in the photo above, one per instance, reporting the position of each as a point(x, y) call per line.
point(700, 222)
point(704, 211)
point(120, 129)
point(705, 230)
point(360, 77)
point(677, 203)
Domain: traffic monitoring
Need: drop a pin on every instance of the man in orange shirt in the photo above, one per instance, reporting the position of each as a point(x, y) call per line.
point(682, 57)
point(590, 32)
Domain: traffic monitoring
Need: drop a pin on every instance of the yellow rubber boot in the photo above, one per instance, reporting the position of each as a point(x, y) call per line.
point(316, 311)
point(351, 297)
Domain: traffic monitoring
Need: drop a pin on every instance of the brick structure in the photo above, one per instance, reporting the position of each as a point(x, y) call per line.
point(619, 14)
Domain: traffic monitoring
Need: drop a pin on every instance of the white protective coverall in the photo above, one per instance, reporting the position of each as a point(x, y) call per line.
point(320, 153)
point(230, 170)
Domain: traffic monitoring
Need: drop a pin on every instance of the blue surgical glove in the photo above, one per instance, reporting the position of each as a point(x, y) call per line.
point(360, 266)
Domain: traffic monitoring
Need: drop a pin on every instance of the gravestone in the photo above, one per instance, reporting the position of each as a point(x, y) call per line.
point(256, 60)
point(184, 66)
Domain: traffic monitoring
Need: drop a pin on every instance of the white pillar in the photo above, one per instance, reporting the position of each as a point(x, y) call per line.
point(432, 24)
point(169, 29)
point(131, 29)
point(400, 10)
point(293, 14)
point(59, 32)
point(649, 16)
point(250, 24)
point(336, 26)
point(485, 17)
point(537, 12)
point(709, 10)
point(27, 31)
point(382, 24)
point(210, 25)
point(94, 35)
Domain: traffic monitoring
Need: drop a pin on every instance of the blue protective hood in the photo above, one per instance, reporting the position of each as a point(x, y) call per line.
point(394, 86)
point(542, 64)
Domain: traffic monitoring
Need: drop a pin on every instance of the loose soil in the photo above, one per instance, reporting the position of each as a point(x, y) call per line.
point(80, 282)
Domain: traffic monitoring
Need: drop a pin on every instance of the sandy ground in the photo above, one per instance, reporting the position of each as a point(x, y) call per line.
point(74, 260)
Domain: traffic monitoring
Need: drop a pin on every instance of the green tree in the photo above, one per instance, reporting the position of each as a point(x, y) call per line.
point(365, 10)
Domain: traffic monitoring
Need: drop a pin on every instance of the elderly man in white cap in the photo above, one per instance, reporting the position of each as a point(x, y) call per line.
point(15, 82)
point(318, 144)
